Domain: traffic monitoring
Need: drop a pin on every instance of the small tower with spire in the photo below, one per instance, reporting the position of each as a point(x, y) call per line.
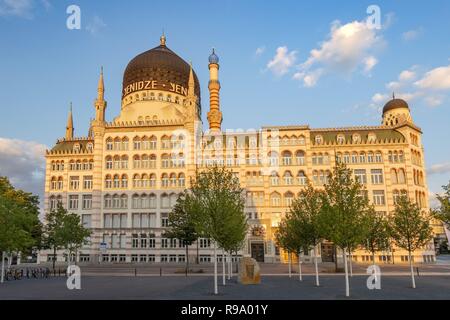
point(191, 99)
point(69, 127)
point(214, 114)
point(162, 39)
point(100, 103)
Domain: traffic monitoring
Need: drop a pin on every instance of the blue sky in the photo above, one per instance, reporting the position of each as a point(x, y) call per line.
point(269, 73)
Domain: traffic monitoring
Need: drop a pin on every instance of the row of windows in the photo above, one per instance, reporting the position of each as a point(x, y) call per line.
point(139, 201)
point(145, 143)
point(416, 158)
point(359, 157)
point(418, 178)
point(145, 161)
point(171, 180)
point(396, 157)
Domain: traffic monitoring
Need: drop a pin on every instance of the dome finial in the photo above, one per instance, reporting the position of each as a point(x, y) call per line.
point(162, 39)
point(393, 95)
point(213, 58)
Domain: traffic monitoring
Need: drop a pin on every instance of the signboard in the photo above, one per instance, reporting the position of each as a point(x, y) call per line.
point(103, 246)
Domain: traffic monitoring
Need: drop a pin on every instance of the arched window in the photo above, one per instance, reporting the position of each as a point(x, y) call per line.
point(107, 200)
point(288, 179)
point(288, 198)
point(53, 183)
point(378, 157)
point(124, 181)
point(145, 163)
point(136, 181)
point(181, 180)
point(153, 142)
point(164, 180)
point(60, 183)
point(395, 196)
point(273, 158)
point(301, 178)
point(173, 199)
point(152, 201)
point(124, 201)
point(370, 157)
point(275, 199)
point(362, 157)
point(144, 180)
point(274, 179)
point(165, 201)
point(116, 162)
point(152, 180)
point(136, 201)
point(109, 144)
point(116, 182)
point(124, 162)
point(287, 158)
point(173, 180)
point(137, 143)
point(116, 201)
point(165, 161)
point(125, 141)
point(300, 158)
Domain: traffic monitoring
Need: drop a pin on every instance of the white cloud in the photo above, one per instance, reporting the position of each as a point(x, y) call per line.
point(282, 61)
point(259, 51)
point(436, 79)
point(434, 101)
point(407, 75)
point(347, 48)
point(309, 78)
point(23, 163)
point(19, 8)
point(369, 63)
point(379, 98)
point(412, 34)
point(439, 168)
point(95, 25)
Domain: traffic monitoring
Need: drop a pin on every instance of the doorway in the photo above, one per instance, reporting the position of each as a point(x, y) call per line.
point(258, 251)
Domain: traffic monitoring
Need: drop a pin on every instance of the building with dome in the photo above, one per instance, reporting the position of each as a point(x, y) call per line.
point(125, 175)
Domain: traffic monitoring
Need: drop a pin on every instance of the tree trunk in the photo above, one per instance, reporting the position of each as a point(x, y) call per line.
point(412, 271)
point(187, 260)
point(230, 266)
point(3, 267)
point(335, 258)
point(347, 285)
point(350, 263)
point(216, 290)
point(54, 258)
point(197, 254)
point(316, 267)
point(373, 257)
point(290, 264)
point(223, 267)
point(299, 268)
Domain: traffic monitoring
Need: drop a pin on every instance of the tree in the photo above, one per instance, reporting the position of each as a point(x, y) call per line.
point(377, 237)
point(219, 203)
point(20, 228)
point(15, 226)
point(410, 228)
point(54, 230)
point(182, 223)
point(284, 237)
point(443, 212)
point(344, 208)
point(74, 234)
point(305, 211)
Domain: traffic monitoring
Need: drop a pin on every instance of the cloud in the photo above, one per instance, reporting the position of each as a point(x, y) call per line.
point(18, 8)
point(439, 168)
point(434, 101)
point(309, 78)
point(379, 98)
point(282, 61)
point(23, 163)
point(95, 25)
point(436, 79)
point(347, 48)
point(407, 75)
point(412, 34)
point(259, 51)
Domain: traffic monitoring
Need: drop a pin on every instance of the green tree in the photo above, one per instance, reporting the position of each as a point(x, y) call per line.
point(443, 212)
point(74, 234)
point(182, 223)
point(218, 198)
point(410, 228)
point(378, 236)
point(285, 237)
point(305, 212)
point(53, 237)
point(344, 208)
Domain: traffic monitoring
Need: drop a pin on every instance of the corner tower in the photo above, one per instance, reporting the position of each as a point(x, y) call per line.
point(214, 114)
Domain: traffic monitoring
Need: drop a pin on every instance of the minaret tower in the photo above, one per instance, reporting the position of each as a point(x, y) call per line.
point(69, 127)
point(100, 103)
point(214, 114)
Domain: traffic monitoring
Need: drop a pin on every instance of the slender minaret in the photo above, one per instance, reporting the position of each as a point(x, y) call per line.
point(214, 114)
point(69, 127)
point(100, 103)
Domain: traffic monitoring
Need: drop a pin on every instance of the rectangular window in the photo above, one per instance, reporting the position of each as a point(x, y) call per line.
point(87, 201)
point(86, 220)
point(377, 176)
point(379, 198)
point(87, 182)
point(164, 222)
point(164, 258)
point(164, 243)
point(135, 241)
point(107, 222)
point(74, 183)
point(360, 176)
point(73, 202)
point(134, 258)
point(123, 241)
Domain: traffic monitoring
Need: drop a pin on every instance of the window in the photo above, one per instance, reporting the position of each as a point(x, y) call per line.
point(164, 222)
point(378, 197)
point(87, 182)
point(301, 178)
point(300, 158)
point(360, 176)
point(287, 158)
point(378, 157)
point(288, 179)
point(377, 176)
point(134, 240)
point(74, 183)
point(204, 243)
point(73, 202)
point(87, 201)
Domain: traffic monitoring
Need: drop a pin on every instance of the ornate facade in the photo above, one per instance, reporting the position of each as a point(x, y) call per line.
point(123, 178)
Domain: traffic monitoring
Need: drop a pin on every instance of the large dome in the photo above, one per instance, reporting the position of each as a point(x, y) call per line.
point(159, 69)
point(395, 104)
